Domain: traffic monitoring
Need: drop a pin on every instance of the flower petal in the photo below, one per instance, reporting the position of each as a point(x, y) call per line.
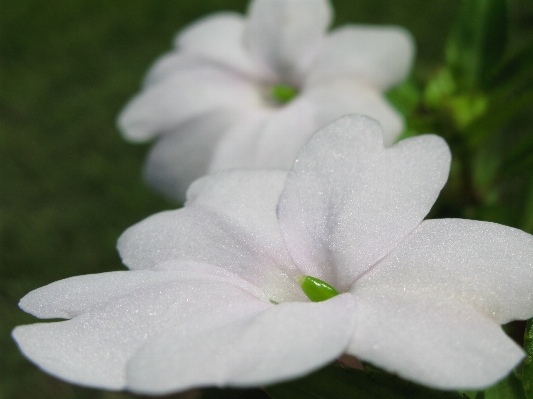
point(339, 97)
point(93, 348)
point(284, 35)
point(220, 39)
point(365, 198)
point(267, 140)
point(287, 341)
point(381, 56)
point(189, 93)
point(180, 157)
point(229, 222)
point(170, 64)
point(445, 345)
point(487, 265)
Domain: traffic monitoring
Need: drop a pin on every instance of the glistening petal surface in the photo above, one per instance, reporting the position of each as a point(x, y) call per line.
point(380, 56)
point(229, 221)
point(284, 35)
point(485, 265)
point(93, 348)
point(287, 341)
point(441, 344)
point(348, 201)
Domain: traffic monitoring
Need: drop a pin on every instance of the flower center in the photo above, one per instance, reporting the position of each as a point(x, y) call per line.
point(316, 289)
point(282, 94)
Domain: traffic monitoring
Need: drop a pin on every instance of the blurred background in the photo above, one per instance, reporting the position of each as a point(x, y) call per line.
point(69, 185)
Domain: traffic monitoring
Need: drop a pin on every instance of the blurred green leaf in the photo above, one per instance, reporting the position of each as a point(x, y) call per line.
point(477, 42)
point(527, 369)
point(405, 97)
point(528, 210)
point(515, 71)
point(521, 158)
point(335, 382)
point(496, 116)
point(439, 89)
point(508, 388)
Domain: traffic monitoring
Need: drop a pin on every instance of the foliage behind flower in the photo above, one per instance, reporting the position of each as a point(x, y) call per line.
point(249, 91)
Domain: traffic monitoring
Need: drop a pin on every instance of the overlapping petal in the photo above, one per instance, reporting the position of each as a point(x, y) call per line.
point(285, 35)
point(484, 265)
point(287, 341)
point(186, 94)
point(219, 38)
point(235, 229)
point(365, 198)
point(116, 313)
point(341, 96)
point(256, 141)
point(379, 56)
point(177, 159)
point(442, 344)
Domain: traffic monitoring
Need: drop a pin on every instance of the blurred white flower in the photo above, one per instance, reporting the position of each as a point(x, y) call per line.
point(213, 299)
point(250, 91)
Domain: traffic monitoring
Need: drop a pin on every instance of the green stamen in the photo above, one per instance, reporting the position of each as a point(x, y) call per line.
point(316, 289)
point(282, 94)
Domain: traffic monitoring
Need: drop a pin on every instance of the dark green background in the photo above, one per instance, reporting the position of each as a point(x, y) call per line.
point(69, 185)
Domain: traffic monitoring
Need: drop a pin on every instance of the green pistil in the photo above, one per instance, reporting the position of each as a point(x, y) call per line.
point(282, 94)
point(316, 289)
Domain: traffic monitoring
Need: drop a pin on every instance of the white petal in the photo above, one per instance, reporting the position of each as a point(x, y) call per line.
point(180, 157)
point(487, 265)
point(380, 56)
point(189, 93)
point(440, 344)
point(267, 140)
point(284, 35)
point(220, 39)
point(72, 296)
point(93, 348)
point(230, 222)
point(284, 342)
point(348, 201)
point(340, 97)
point(170, 64)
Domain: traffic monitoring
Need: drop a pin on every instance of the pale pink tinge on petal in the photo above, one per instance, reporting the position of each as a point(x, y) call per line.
point(349, 201)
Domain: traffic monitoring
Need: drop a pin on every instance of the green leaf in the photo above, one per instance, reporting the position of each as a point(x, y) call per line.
point(335, 382)
point(404, 97)
point(508, 388)
point(527, 369)
point(495, 117)
point(477, 42)
point(515, 71)
point(528, 211)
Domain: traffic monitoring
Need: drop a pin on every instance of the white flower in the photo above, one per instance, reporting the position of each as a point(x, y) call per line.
point(217, 101)
point(213, 299)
